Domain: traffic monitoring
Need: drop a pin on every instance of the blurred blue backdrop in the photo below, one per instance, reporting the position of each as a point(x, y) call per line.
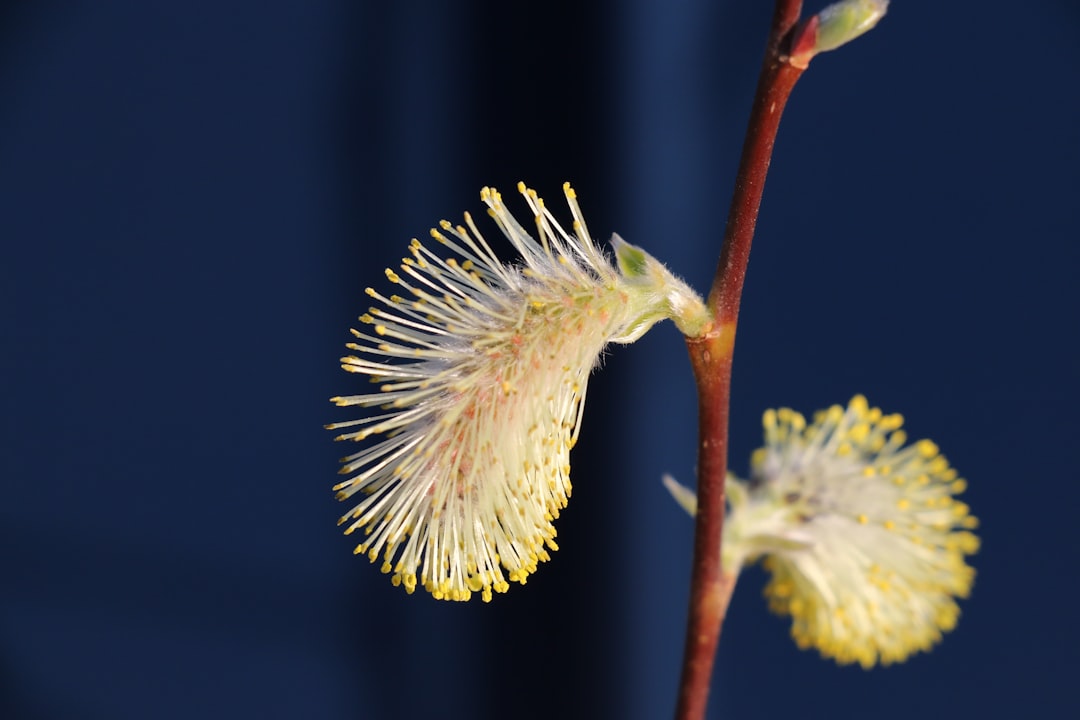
point(193, 197)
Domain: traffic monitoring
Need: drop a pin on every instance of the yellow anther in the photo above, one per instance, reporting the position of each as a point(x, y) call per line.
point(769, 420)
point(891, 422)
point(937, 465)
point(927, 448)
point(859, 433)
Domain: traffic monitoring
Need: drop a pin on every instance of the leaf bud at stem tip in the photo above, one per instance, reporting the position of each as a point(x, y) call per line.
point(836, 25)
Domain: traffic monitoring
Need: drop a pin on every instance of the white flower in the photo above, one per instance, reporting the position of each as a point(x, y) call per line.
point(861, 533)
point(482, 370)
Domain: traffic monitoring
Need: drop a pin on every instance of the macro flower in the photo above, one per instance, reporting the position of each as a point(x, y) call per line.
point(482, 369)
point(861, 532)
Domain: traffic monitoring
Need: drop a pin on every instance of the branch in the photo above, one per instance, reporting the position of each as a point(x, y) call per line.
point(711, 358)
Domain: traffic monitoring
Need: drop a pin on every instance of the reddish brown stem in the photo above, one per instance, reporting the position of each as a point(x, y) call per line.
point(711, 359)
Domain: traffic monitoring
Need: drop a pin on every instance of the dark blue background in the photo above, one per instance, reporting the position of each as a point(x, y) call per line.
point(194, 195)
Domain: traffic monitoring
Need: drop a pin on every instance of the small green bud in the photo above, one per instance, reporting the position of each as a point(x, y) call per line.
point(842, 22)
point(836, 25)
